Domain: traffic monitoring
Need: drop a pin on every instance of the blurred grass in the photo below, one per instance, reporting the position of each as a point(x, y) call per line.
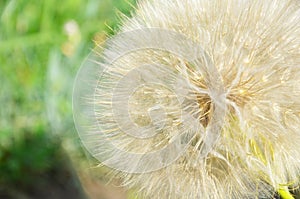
point(42, 45)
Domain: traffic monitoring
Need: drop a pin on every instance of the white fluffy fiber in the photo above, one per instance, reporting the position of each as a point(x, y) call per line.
point(255, 47)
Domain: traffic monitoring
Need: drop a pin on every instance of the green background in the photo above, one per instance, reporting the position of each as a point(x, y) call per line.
point(42, 45)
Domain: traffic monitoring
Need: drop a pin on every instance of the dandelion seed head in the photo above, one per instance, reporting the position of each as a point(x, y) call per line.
point(197, 99)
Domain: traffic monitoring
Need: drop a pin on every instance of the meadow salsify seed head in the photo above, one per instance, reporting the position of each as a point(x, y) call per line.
point(197, 99)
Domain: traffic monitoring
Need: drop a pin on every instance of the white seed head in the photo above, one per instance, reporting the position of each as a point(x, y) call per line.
point(197, 99)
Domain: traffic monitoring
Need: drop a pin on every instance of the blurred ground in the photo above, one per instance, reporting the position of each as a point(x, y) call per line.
point(42, 45)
